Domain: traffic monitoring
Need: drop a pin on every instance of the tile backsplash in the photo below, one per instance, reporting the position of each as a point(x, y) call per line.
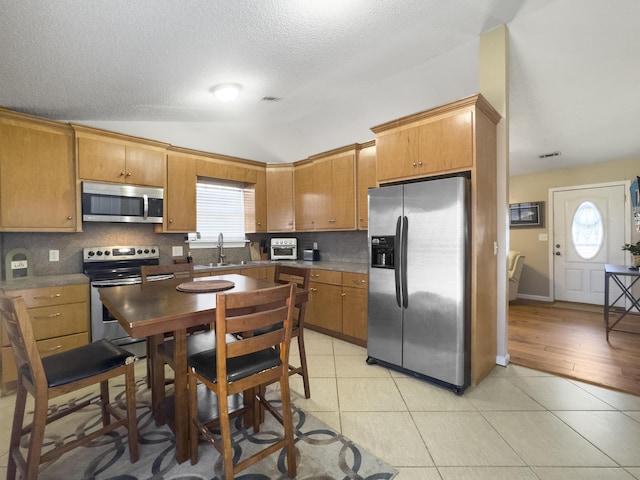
point(333, 246)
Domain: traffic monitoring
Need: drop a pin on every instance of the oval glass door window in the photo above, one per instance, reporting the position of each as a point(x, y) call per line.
point(587, 232)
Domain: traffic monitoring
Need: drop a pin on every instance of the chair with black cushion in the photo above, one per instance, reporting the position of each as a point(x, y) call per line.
point(244, 366)
point(59, 374)
point(300, 276)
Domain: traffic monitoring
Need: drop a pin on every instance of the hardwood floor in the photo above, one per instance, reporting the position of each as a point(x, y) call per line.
point(569, 340)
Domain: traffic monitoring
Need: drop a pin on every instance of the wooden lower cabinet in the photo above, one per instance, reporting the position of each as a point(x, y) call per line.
point(325, 306)
point(60, 321)
point(355, 296)
point(338, 305)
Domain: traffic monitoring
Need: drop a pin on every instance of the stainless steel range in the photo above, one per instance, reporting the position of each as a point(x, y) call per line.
point(112, 266)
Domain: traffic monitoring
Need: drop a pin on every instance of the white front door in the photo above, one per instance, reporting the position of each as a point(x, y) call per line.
point(588, 231)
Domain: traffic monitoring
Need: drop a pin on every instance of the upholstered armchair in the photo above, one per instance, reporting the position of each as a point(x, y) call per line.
point(516, 263)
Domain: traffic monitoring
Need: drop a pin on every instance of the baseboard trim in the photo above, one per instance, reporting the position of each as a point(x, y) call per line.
point(503, 360)
point(539, 298)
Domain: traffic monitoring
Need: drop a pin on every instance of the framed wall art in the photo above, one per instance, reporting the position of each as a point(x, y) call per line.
point(529, 214)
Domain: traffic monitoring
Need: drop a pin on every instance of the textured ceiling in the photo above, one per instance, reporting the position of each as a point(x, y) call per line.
point(338, 67)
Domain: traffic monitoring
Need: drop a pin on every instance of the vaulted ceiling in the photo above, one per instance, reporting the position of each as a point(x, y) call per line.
point(335, 68)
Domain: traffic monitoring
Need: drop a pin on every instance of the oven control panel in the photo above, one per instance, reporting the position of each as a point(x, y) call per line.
point(120, 252)
point(284, 242)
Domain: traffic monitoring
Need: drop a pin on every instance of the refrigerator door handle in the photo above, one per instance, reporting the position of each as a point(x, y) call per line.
point(403, 261)
point(397, 266)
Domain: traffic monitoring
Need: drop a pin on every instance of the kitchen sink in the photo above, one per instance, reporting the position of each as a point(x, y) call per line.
point(231, 264)
point(214, 265)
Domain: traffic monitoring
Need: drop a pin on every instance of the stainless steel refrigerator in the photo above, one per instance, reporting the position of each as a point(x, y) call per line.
point(418, 318)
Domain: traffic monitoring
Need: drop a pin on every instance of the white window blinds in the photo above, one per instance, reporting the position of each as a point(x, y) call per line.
point(220, 208)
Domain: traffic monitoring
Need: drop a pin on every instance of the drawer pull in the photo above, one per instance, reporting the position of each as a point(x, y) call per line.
point(45, 297)
point(57, 347)
point(52, 315)
point(344, 294)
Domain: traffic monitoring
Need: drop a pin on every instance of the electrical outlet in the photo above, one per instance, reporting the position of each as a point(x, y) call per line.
point(177, 251)
point(54, 255)
point(543, 237)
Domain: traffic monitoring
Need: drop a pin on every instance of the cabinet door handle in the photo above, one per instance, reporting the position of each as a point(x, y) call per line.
point(53, 315)
point(44, 297)
point(344, 294)
point(129, 174)
point(122, 174)
point(69, 217)
point(57, 347)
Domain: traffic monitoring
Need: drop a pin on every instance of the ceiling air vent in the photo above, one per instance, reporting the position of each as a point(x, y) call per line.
point(548, 155)
point(271, 99)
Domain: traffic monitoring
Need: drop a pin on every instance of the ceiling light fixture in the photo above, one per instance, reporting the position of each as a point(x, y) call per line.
point(226, 92)
point(548, 155)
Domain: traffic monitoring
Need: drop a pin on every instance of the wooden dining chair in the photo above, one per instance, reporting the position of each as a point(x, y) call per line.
point(300, 276)
point(243, 366)
point(55, 375)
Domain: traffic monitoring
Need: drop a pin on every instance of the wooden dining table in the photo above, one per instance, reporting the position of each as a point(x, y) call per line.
point(158, 308)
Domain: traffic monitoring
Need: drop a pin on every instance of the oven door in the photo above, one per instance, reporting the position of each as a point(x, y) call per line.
point(284, 252)
point(103, 324)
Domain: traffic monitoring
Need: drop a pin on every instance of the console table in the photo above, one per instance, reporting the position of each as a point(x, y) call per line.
point(617, 274)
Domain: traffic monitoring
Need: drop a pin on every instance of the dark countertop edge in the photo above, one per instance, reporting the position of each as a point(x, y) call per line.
point(351, 267)
point(45, 281)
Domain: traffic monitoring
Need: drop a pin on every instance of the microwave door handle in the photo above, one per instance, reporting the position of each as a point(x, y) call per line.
point(145, 205)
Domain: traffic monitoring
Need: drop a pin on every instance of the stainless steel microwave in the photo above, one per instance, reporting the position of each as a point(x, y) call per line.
point(110, 202)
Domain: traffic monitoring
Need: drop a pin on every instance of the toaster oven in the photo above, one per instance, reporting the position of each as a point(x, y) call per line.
point(284, 249)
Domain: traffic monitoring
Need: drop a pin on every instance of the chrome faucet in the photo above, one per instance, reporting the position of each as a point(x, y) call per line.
point(220, 246)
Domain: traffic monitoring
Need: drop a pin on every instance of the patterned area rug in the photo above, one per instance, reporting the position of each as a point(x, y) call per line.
point(322, 453)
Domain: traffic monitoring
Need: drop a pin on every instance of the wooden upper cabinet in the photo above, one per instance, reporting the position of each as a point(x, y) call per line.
point(260, 200)
point(180, 194)
point(37, 175)
point(433, 142)
point(280, 198)
point(322, 193)
point(365, 179)
point(226, 168)
point(304, 195)
point(332, 192)
point(343, 192)
point(110, 157)
point(335, 179)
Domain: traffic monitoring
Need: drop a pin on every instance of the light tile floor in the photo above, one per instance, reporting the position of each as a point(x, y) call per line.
point(518, 424)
